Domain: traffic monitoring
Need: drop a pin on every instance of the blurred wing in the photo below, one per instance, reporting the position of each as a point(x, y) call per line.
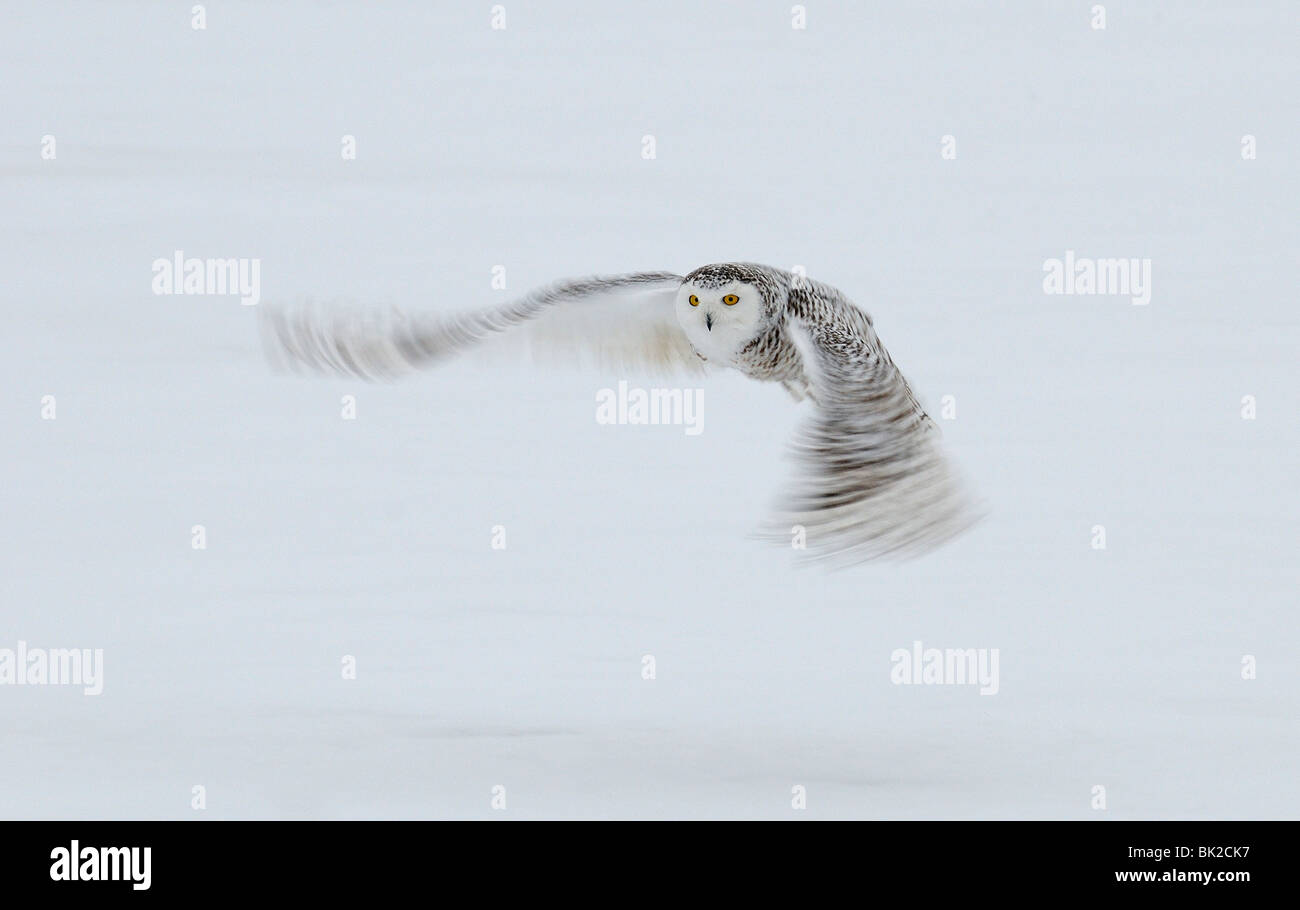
point(618, 320)
point(873, 480)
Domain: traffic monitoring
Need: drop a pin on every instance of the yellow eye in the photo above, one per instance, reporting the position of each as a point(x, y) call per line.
point(731, 300)
point(695, 301)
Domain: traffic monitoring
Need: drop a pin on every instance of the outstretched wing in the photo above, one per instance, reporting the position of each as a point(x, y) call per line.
point(616, 320)
point(873, 480)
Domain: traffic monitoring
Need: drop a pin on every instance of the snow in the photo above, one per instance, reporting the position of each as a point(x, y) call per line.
point(522, 667)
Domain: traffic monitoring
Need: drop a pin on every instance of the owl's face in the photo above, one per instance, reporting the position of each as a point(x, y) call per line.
point(720, 318)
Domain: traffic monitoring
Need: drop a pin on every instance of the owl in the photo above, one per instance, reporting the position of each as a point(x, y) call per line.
point(871, 476)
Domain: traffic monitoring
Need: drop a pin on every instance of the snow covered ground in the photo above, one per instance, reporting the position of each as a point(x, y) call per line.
point(522, 667)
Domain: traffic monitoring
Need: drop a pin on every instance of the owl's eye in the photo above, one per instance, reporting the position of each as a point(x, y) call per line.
point(695, 301)
point(731, 300)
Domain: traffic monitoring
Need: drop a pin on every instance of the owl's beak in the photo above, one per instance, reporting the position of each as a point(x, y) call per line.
point(708, 321)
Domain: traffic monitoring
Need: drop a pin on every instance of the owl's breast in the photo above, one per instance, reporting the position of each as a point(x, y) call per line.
point(771, 356)
point(720, 345)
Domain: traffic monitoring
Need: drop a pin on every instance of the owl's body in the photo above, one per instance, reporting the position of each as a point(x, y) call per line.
point(874, 480)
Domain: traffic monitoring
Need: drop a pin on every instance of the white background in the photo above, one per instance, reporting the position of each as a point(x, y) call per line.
point(521, 667)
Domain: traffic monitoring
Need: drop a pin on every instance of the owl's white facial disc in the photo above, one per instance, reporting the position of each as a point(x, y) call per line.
point(719, 321)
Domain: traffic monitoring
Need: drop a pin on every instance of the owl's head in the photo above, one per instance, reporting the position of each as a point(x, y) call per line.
point(723, 307)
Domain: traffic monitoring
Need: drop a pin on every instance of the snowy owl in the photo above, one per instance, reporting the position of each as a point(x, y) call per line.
point(871, 479)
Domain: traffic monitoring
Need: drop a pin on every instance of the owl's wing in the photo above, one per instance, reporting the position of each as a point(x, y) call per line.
point(616, 320)
point(873, 480)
